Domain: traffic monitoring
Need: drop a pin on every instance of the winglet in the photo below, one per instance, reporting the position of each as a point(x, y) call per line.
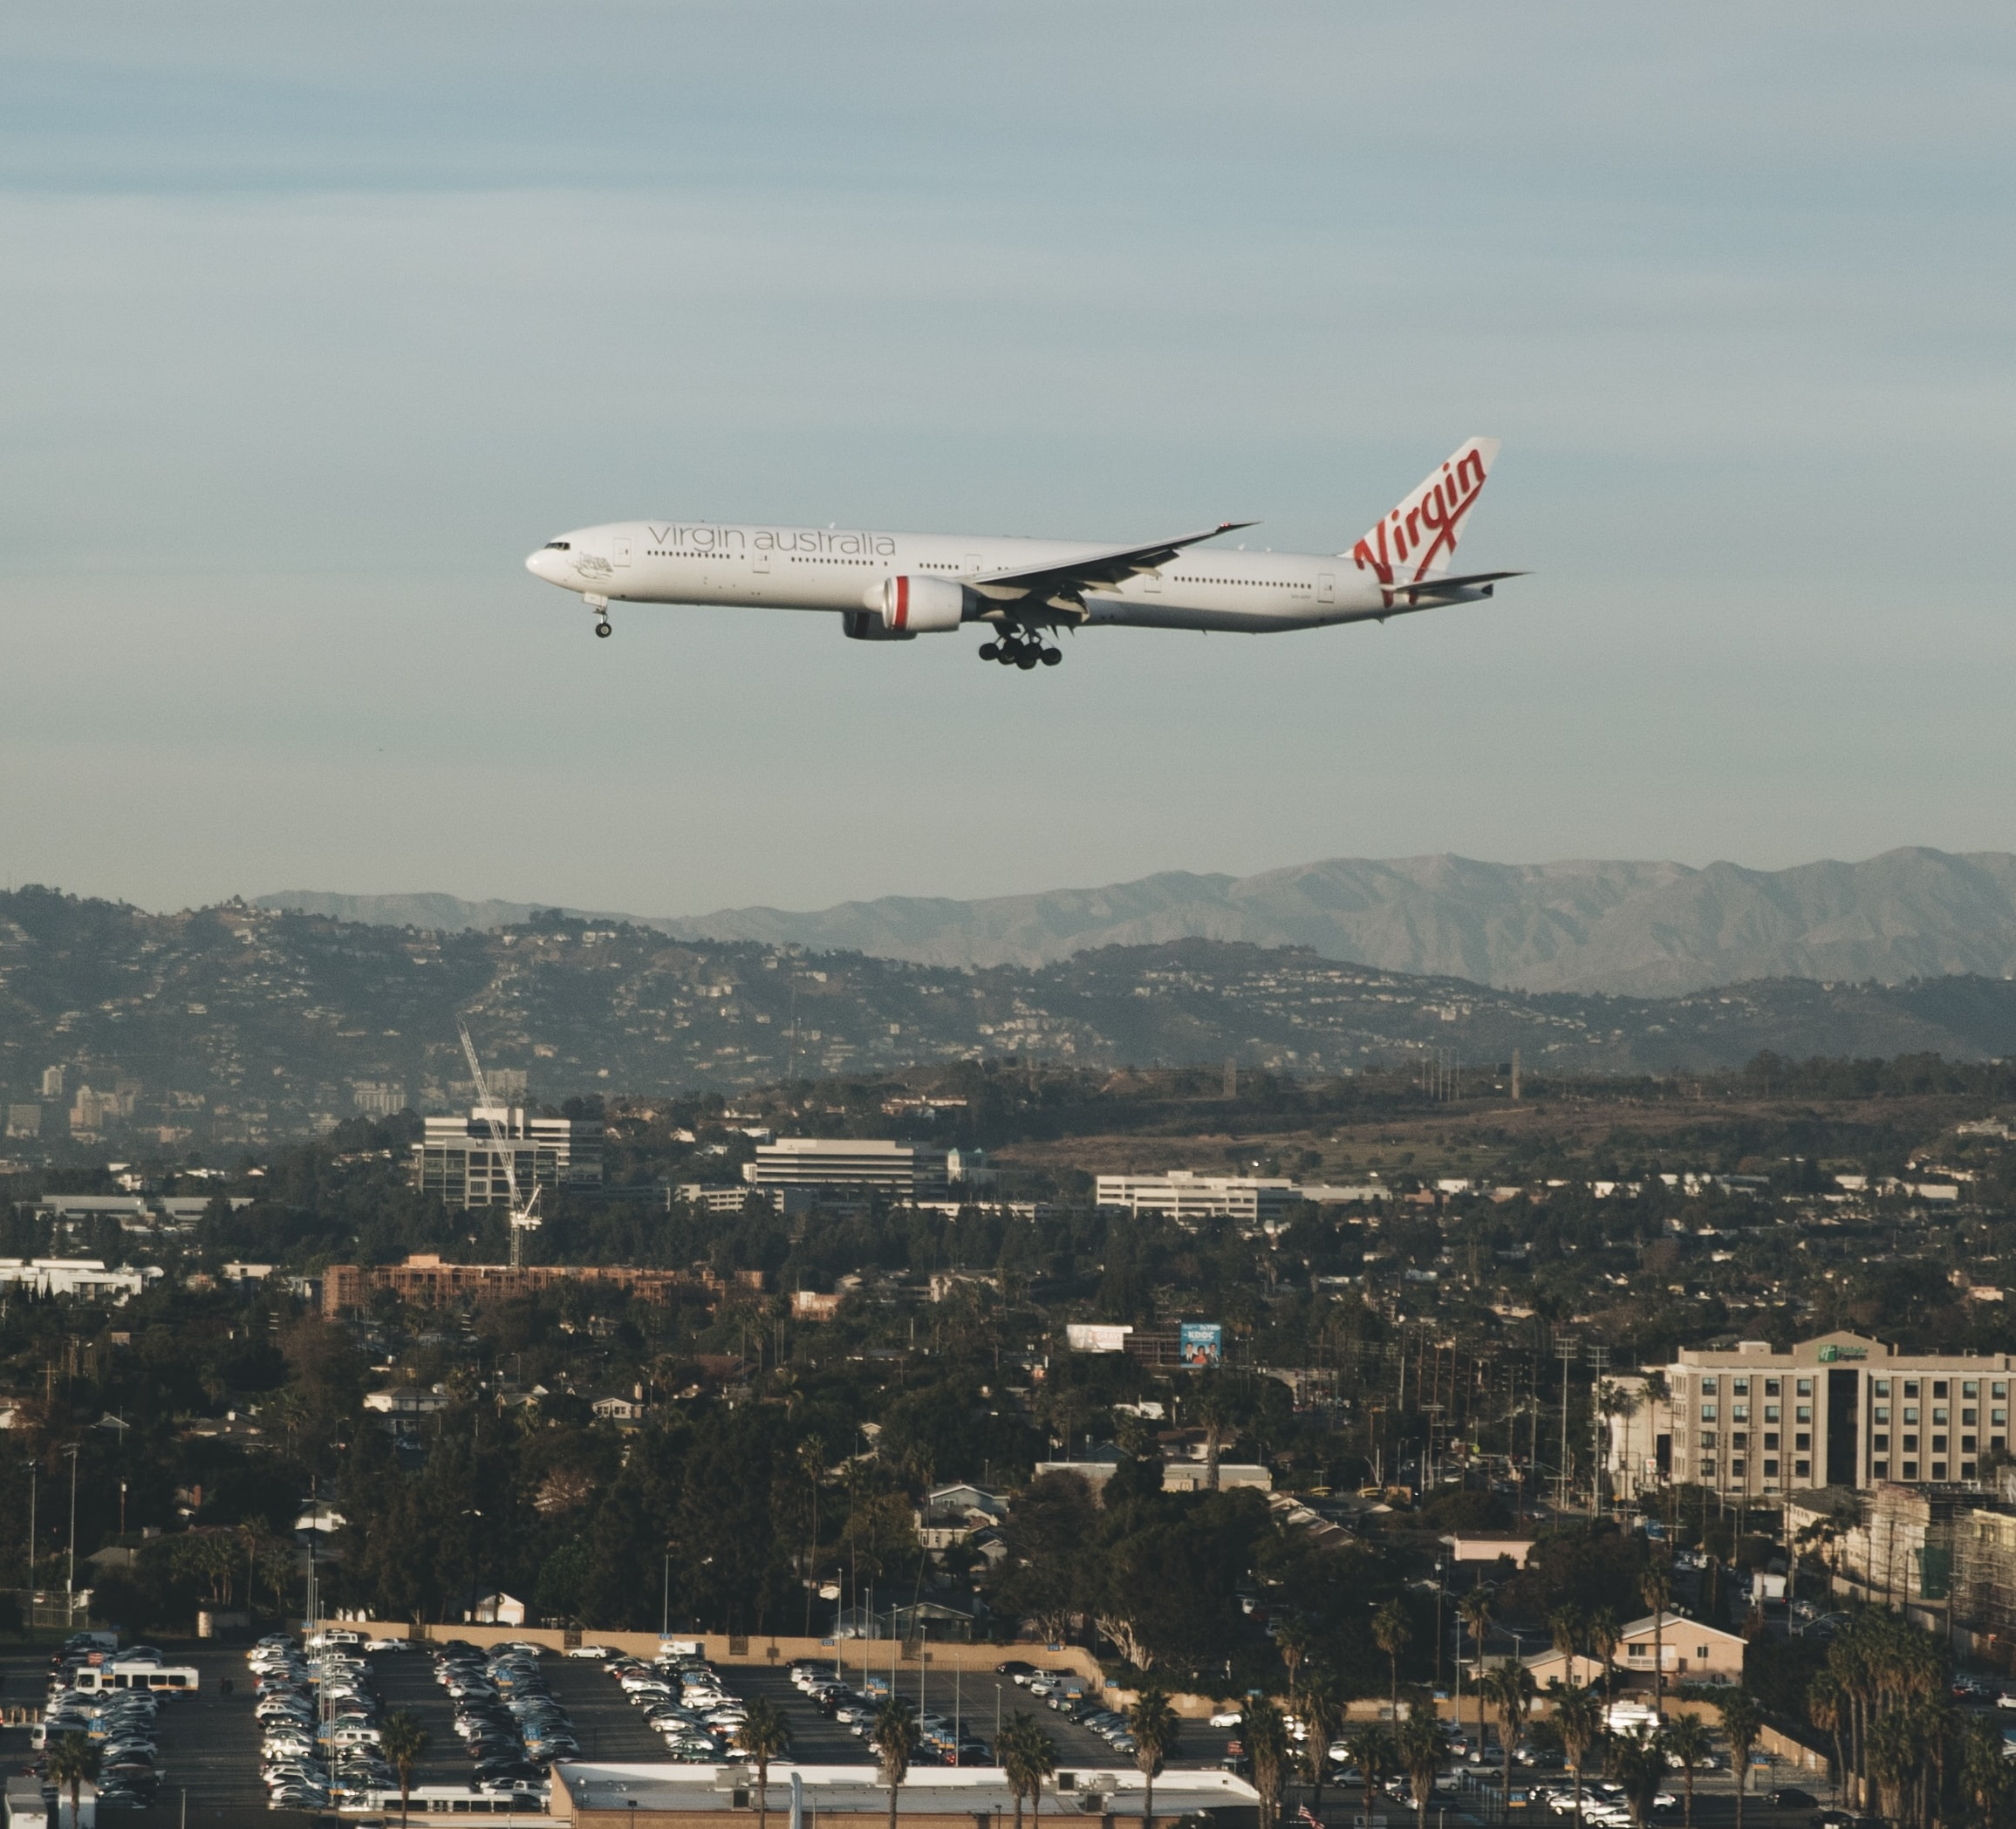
point(1417, 539)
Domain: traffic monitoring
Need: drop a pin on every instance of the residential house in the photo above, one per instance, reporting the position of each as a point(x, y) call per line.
point(1689, 1652)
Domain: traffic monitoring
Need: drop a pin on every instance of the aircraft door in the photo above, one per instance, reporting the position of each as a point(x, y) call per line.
point(973, 564)
point(619, 550)
point(762, 561)
point(1327, 587)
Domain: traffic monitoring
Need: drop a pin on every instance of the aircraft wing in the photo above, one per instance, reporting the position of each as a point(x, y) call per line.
point(1061, 587)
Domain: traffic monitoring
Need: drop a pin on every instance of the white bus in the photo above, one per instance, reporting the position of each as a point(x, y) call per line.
point(161, 1679)
point(448, 1800)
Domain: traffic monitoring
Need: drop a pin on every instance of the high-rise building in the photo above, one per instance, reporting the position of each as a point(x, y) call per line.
point(463, 1162)
point(52, 1082)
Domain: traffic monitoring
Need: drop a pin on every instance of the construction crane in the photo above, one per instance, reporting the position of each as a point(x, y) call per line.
point(524, 1213)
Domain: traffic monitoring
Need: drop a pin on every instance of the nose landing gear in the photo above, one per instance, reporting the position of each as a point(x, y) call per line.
point(600, 606)
point(1021, 649)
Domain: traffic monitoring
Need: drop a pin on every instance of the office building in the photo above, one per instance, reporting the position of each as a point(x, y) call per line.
point(426, 1281)
point(460, 1160)
point(1184, 1196)
point(901, 1172)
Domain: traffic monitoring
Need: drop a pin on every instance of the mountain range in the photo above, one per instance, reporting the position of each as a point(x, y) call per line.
point(236, 1024)
point(1616, 927)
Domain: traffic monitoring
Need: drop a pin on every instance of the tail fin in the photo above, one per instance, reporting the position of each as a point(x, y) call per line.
point(1417, 540)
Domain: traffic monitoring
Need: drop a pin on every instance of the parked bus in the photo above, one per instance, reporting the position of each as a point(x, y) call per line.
point(161, 1679)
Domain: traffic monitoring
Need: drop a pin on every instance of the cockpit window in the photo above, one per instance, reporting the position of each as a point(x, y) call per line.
point(560, 546)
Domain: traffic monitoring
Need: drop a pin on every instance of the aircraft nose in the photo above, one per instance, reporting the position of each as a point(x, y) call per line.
point(536, 563)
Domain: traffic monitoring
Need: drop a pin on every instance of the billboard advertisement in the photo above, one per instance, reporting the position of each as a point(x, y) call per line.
point(1201, 1343)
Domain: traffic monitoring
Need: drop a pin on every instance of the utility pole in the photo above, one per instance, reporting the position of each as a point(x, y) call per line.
point(70, 1580)
point(1599, 1363)
point(33, 1471)
point(1564, 1350)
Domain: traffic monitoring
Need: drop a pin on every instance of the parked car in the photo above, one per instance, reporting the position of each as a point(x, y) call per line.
point(1790, 1797)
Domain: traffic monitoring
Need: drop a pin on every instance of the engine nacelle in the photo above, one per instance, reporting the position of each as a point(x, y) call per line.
point(903, 606)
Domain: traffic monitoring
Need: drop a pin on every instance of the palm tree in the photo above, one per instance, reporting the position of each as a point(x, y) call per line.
point(1510, 1689)
point(764, 1735)
point(1603, 1638)
point(1422, 1746)
point(1475, 1610)
point(1372, 1753)
point(1391, 1633)
point(1742, 1722)
point(1217, 1421)
point(74, 1760)
point(1154, 1726)
point(1984, 1773)
point(1569, 1631)
point(1027, 1756)
point(1688, 1741)
point(1291, 1639)
point(404, 1742)
point(1826, 1709)
point(1322, 1715)
point(1656, 1590)
point(1641, 1766)
point(1578, 1718)
point(894, 1736)
point(1265, 1735)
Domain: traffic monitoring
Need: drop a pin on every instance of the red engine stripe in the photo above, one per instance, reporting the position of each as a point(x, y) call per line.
point(902, 602)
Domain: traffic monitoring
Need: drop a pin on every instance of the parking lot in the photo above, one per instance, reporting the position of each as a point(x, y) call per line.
point(208, 1742)
point(978, 1701)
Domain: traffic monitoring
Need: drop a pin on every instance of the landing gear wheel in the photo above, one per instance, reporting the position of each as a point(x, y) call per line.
point(1006, 655)
point(990, 650)
point(1053, 657)
point(604, 630)
point(1028, 658)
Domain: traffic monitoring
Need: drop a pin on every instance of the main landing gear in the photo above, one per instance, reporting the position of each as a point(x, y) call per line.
point(1020, 650)
point(600, 606)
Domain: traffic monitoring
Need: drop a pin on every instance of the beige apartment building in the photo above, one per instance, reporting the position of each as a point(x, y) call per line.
point(1841, 1410)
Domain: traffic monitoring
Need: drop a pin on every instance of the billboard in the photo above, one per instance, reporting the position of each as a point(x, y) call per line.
point(1201, 1343)
point(1094, 1338)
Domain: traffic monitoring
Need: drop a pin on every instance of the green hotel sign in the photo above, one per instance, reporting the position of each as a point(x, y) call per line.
point(1828, 1354)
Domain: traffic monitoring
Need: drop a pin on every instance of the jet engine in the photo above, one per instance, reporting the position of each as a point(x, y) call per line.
point(901, 607)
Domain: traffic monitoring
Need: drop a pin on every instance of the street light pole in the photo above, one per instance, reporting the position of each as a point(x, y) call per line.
point(70, 1580)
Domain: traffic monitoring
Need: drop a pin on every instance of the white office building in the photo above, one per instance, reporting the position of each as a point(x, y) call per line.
point(463, 1160)
point(1184, 1196)
point(902, 1171)
point(85, 1277)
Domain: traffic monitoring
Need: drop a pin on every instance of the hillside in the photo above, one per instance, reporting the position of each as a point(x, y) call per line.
point(1633, 929)
point(237, 1022)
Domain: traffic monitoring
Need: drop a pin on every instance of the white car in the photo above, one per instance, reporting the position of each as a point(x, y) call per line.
point(1226, 1718)
point(2007, 1699)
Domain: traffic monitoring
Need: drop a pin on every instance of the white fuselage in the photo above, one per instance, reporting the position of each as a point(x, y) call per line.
point(837, 570)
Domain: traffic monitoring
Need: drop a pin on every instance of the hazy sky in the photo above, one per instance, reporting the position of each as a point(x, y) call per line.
point(319, 318)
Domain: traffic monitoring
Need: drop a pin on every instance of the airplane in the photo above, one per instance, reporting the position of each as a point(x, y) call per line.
point(895, 587)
